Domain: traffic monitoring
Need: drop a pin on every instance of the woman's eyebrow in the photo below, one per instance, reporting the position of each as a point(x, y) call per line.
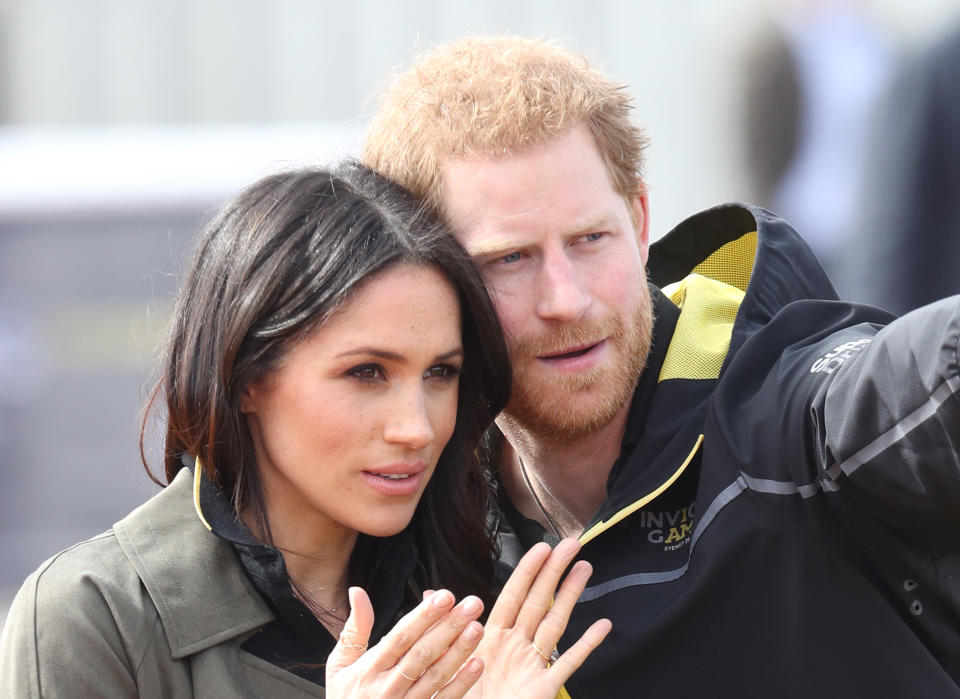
point(457, 352)
point(395, 356)
point(373, 351)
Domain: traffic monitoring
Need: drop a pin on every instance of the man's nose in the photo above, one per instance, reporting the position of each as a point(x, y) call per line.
point(562, 296)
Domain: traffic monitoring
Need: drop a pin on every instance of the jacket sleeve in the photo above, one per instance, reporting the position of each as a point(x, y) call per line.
point(888, 420)
point(60, 640)
point(846, 400)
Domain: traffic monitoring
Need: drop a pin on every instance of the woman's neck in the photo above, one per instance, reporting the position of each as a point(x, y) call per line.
point(321, 575)
point(322, 587)
point(317, 561)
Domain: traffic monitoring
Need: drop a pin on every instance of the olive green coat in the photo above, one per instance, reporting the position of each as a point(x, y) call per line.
point(156, 607)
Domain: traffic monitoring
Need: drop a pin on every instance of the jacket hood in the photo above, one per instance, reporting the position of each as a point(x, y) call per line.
point(746, 247)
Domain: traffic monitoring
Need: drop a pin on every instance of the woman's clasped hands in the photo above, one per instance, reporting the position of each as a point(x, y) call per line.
point(424, 655)
point(440, 649)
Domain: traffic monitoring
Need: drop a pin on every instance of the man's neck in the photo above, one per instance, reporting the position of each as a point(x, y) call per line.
point(560, 485)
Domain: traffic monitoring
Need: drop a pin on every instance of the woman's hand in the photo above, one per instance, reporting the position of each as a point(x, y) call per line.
point(526, 622)
point(422, 656)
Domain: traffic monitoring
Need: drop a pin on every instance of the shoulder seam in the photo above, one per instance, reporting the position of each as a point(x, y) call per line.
point(43, 567)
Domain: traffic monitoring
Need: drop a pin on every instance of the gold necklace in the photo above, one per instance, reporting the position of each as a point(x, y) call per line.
point(306, 596)
point(318, 610)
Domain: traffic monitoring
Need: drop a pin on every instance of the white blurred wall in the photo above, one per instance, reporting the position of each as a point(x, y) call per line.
point(214, 62)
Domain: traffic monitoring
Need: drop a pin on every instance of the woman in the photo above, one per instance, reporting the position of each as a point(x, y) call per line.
point(332, 363)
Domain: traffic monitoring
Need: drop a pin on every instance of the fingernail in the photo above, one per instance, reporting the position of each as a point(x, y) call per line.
point(475, 665)
point(472, 632)
point(441, 598)
point(472, 605)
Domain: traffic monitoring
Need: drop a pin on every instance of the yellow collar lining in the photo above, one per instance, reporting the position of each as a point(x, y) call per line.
point(600, 527)
point(197, 474)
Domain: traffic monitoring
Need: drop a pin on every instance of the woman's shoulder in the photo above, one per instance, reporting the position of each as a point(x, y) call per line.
point(95, 585)
point(89, 587)
point(82, 607)
point(96, 563)
point(102, 565)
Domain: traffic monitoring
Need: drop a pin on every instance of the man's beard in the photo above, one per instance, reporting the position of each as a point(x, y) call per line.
point(560, 408)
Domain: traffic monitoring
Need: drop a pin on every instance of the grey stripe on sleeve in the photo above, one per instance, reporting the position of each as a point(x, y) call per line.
point(900, 430)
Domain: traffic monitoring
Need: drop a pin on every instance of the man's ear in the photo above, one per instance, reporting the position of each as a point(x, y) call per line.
point(641, 216)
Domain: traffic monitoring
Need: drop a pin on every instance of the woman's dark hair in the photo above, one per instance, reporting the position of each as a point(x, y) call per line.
point(275, 263)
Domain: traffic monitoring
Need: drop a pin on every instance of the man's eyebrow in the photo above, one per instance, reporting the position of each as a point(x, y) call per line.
point(602, 220)
point(501, 246)
point(497, 248)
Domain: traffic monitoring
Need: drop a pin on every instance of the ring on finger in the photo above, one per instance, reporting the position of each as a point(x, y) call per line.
point(350, 644)
point(549, 658)
point(406, 676)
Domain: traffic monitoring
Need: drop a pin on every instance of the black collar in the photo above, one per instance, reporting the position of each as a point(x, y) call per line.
point(296, 641)
point(665, 315)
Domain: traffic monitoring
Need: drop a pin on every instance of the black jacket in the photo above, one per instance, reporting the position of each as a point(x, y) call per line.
point(784, 517)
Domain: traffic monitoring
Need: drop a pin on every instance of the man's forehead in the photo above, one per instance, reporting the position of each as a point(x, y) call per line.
point(507, 200)
point(471, 169)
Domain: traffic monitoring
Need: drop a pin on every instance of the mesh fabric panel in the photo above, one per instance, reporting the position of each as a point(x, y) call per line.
point(702, 337)
point(733, 263)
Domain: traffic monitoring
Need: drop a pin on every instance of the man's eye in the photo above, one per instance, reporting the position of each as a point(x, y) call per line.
point(512, 257)
point(590, 237)
point(367, 372)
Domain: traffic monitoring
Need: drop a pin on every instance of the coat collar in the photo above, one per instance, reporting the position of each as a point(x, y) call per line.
point(192, 576)
point(746, 247)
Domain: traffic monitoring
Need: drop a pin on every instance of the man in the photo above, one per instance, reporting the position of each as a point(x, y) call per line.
point(765, 479)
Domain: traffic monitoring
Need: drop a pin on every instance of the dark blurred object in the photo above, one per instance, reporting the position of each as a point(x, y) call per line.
point(772, 121)
point(906, 251)
point(815, 73)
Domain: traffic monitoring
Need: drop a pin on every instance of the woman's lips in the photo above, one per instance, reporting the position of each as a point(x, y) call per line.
point(396, 480)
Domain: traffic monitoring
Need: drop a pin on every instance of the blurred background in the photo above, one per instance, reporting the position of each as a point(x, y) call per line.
point(123, 124)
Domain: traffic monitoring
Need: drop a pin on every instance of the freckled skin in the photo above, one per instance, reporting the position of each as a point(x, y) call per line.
point(373, 386)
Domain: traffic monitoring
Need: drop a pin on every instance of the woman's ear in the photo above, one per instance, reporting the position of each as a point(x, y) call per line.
point(249, 397)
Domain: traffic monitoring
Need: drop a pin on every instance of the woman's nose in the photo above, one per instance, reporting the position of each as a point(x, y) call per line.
point(410, 424)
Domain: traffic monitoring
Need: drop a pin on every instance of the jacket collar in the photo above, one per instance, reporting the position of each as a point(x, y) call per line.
point(665, 315)
point(747, 247)
point(192, 576)
point(744, 248)
point(732, 268)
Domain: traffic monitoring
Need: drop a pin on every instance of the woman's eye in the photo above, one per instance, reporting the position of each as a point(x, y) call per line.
point(511, 258)
point(367, 372)
point(441, 371)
